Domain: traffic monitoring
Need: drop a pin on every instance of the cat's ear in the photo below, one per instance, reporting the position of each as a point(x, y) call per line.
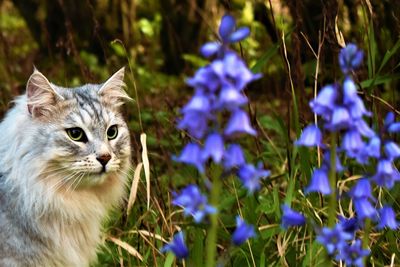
point(112, 91)
point(41, 96)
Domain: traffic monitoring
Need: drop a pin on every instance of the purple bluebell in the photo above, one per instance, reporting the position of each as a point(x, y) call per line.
point(193, 203)
point(352, 100)
point(349, 225)
point(195, 123)
point(341, 119)
point(334, 239)
point(386, 174)
point(394, 127)
point(213, 148)
point(311, 136)
point(352, 143)
point(205, 78)
point(191, 154)
point(363, 128)
point(291, 218)
point(177, 246)
point(350, 58)
point(231, 98)
point(239, 123)
point(389, 119)
point(353, 255)
point(228, 34)
point(250, 176)
point(387, 218)
point(364, 208)
point(233, 157)
point(243, 232)
point(324, 103)
point(392, 150)
point(362, 189)
point(319, 182)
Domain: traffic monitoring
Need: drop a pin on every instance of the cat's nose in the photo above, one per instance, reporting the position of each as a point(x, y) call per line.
point(103, 159)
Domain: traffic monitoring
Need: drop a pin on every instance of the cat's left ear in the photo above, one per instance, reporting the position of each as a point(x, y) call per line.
point(112, 91)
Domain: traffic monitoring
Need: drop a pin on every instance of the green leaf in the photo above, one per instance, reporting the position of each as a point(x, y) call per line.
point(169, 260)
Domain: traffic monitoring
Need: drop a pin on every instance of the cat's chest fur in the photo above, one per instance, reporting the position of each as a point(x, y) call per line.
point(56, 188)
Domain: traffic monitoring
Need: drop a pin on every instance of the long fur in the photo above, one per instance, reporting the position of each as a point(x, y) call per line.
point(52, 200)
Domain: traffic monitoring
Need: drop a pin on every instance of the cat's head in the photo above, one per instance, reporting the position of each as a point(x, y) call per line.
point(82, 135)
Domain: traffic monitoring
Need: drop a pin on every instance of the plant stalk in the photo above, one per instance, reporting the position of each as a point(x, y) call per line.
point(332, 182)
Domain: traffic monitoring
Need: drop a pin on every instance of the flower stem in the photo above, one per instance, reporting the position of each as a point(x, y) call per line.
point(211, 242)
point(332, 182)
point(367, 229)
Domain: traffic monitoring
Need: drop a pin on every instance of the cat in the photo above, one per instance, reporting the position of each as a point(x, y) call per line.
point(64, 157)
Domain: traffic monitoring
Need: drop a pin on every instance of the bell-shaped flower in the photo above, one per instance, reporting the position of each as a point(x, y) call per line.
point(392, 150)
point(227, 30)
point(177, 246)
point(250, 176)
point(291, 218)
point(352, 143)
point(198, 103)
point(333, 239)
point(195, 123)
point(354, 254)
point(205, 78)
point(394, 127)
point(362, 189)
point(319, 182)
point(362, 127)
point(230, 98)
point(243, 232)
point(324, 103)
point(311, 136)
point(387, 218)
point(326, 161)
point(364, 208)
point(389, 119)
point(350, 58)
point(213, 147)
point(239, 123)
point(340, 119)
point(233, 157)
point(191, 155)
point(193, 203)
point(349, 225)
point(386, 174)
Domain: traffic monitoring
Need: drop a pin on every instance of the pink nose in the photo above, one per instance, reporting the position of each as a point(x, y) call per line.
point(103, 159)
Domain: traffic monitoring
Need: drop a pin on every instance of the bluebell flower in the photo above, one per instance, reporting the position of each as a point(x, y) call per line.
point(205, 78)
point(326, 161)
point(352, 143)
point(230, 98)
point(291, 218)
point(311, 136)
point(243, 232)
point(177, 246)
point(389, 119)
point(191, 154)
point(349, 225)
point(363, 128)
point(373, 149)
point(333, 239)
point(319, 182)
point(250, 176)
point(387, 218)
point(364, 208)
point(350, 58)
point(362, 189)
point(195, 123)
point(233, 157)
point(213, 147)
point(193, 203)
point(324, 103)
point(353, 255)
point(239, 123)
point(392, 150)
point(394, 127)
point(341, 119)
point(228, 34)
point(386, 174)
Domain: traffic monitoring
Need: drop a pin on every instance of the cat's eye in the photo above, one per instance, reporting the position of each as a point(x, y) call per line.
point(112, 132)
point(76, 134)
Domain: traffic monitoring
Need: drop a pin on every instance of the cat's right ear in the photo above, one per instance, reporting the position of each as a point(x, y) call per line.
point(41, 96)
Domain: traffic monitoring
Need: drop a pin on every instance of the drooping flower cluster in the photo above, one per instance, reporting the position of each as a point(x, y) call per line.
point(342, 112)
point(213, 117)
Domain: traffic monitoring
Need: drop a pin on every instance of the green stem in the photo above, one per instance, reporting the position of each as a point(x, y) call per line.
point(211, 242)
point(367, 229)
point(332, 182)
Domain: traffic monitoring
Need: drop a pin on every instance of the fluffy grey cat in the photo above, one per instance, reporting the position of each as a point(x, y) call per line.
point(64, 155)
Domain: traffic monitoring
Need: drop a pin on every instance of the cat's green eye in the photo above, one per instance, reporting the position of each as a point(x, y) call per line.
point(76, 134)
point(112, 132)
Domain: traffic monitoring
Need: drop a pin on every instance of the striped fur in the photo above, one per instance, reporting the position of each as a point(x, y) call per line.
point(53, 192)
